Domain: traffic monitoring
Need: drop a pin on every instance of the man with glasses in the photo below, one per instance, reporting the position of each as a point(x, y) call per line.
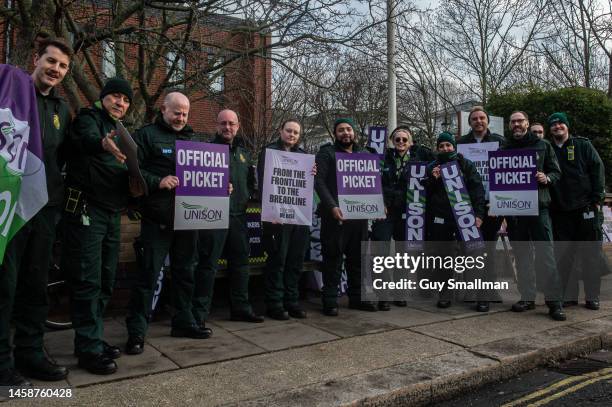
point(212, 242)
point(480, 133)
point(525, 230)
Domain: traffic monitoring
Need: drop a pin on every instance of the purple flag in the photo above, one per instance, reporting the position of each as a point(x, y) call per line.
point(23, 185)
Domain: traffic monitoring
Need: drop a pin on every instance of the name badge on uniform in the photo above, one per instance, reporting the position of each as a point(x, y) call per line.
point(439, 221)
point(166, 151)
point(570, 153)
point(588, 215)
point(56, 121)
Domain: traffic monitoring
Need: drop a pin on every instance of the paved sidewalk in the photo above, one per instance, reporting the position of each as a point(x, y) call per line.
point(405, 356)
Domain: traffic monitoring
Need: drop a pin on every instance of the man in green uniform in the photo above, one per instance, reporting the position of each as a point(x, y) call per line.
point(339, 236)
point(97, 191)
point(157, 160)
point(480, 133)
point(24, 272)
point(212, 242)
point(575, 212)
point(523, 230)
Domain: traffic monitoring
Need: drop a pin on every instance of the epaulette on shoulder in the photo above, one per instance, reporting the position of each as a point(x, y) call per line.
point(582, 138)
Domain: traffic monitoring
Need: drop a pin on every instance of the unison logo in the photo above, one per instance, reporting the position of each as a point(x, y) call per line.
point(200, 212)
point(360, 207)
point(288, 160)
point(504, 202)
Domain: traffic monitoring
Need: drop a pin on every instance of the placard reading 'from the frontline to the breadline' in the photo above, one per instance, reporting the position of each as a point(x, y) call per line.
point(287, 188)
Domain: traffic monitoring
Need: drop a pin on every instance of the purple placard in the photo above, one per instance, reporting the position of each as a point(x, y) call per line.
point(416, 200)
point(461, 205)
point(202, 169)
point(512, 170)
point(377, 139)
point(358, 174)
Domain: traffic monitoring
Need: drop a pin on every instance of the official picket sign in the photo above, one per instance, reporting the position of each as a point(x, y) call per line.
point(478, 153)
point(512, 182)
point(416, 200)
point(287, 188)
point(202, 197)
point(359, 186)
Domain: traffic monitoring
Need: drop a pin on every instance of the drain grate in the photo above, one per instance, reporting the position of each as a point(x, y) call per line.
point(579, 367)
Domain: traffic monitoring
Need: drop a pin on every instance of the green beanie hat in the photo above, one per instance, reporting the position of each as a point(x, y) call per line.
point(558, 117)
point(446, 136)
point(346, 120)
point(117, 85)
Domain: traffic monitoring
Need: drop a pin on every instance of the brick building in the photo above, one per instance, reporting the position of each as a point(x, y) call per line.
point(243, 85)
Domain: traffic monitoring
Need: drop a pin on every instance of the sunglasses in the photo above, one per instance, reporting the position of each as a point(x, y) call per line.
point(401, 139)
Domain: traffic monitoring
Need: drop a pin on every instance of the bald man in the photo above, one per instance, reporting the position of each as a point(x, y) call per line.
point(157, 158)
point(212, 242)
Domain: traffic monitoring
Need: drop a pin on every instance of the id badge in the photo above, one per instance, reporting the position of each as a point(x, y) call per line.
point(84, 220)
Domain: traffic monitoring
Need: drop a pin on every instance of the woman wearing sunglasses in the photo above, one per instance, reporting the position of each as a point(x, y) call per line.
point(395, 183)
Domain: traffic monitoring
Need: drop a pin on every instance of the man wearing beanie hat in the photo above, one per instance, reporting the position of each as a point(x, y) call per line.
point(478, 120)
point(440, 224)
point(97, 191)
point(529, 233)
point(576, 212)
point(339, 236)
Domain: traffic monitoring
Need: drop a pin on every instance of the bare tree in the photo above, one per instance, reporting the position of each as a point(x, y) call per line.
point(568, 53)
point(179, 42)
point(484, 41)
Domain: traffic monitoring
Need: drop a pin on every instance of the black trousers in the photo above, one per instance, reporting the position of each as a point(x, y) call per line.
point(338, 240)
point(578, 251)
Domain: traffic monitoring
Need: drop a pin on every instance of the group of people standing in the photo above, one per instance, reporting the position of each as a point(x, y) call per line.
point(97, 187)
point(570, 178)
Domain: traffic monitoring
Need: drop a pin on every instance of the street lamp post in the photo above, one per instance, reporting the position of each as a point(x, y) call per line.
point(391, 77)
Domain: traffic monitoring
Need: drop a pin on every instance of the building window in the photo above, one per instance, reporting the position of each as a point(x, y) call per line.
point(108, 59)
point(216, 77)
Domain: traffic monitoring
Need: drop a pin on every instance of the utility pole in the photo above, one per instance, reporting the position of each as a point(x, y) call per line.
point(391, 77)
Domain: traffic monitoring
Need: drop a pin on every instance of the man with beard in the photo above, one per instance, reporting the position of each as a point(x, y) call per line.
point(575, 212)
point(339, 236)
point(480, 133)
point(523, 230)
point(24, 273)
